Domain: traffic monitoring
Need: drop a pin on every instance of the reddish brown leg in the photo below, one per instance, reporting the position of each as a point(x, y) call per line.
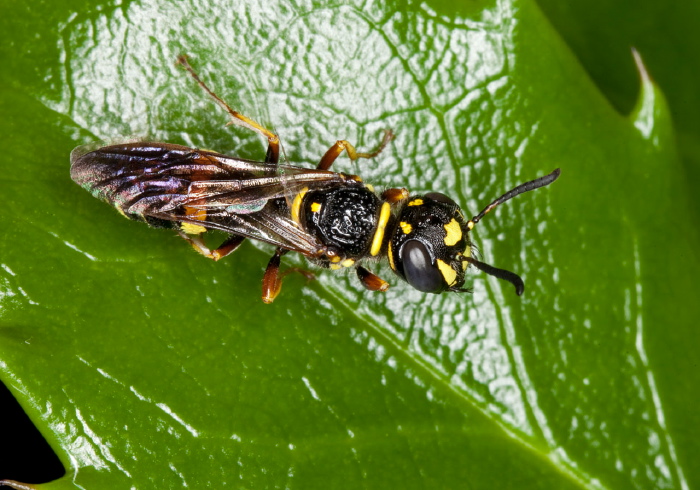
point(273, 148)
point(340, 145)
point(371, 281)
point(395, 195)
point(310, 276)
point(272, 281)
point(229, 245)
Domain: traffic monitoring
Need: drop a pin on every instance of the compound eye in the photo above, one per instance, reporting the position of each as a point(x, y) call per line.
point(440, 197)
point(419, 269)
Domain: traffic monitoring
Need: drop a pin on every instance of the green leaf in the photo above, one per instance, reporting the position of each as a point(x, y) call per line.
point(146, 365)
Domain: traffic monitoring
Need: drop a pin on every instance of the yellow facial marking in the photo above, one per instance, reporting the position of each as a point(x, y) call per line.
point(334, 267)
point(447, 272)
point(381, 225)
point(191, 229)
point(296, 204)
point(406, 227)
point(347, 263)
point(454, 233)
point(315, 207)
point(391, 258)
point(416, 202)
point(335, 259)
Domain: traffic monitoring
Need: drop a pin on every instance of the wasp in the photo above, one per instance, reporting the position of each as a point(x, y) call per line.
point(333, 219)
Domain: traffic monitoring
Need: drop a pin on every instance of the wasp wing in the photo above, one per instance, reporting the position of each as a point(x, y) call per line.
point(175, 183)
point(268, 225)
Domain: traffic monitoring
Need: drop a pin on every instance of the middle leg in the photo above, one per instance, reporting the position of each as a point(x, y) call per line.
point(340, 145)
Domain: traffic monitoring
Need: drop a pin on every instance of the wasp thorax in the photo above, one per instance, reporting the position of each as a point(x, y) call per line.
point(343, 217)
point(428, 243)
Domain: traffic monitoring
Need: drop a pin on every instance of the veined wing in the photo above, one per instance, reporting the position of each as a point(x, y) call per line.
point(173, 175)
point(180, 184)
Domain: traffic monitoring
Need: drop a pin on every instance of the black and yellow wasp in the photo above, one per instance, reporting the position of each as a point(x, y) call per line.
point(333, 219)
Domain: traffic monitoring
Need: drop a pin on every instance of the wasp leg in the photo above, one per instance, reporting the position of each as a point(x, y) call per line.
point(310, 276)
point(394, 195)
point(340, 145)
point(272, 281)
point(273, 148)
point(229, 245)
point(371, 281)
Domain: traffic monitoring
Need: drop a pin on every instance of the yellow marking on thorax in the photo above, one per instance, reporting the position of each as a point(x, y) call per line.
point(315, 207)
point(467, 253)
point(384, 215)
point(348, 263)
point(390, 253)
point(370, 187)
point(416, 202)
point(296, 204)
point(334, 267)
point(447, 272)
point(335, 259)
point(406, 227)
point(454, 233)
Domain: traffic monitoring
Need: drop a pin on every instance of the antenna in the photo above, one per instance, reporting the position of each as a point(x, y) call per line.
point(527, 186)
point(503, 274)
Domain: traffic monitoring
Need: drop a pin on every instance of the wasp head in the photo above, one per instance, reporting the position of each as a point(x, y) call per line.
point(430, 247)
point(430, 244)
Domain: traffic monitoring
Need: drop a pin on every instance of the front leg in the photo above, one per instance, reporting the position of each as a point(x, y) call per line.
point(371, 281)
point(394, 195)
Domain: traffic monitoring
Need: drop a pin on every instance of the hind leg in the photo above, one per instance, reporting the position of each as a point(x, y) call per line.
point(229, 245)
point(273, 148)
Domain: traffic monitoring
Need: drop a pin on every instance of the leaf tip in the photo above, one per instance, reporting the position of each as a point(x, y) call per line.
point(650, 114)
